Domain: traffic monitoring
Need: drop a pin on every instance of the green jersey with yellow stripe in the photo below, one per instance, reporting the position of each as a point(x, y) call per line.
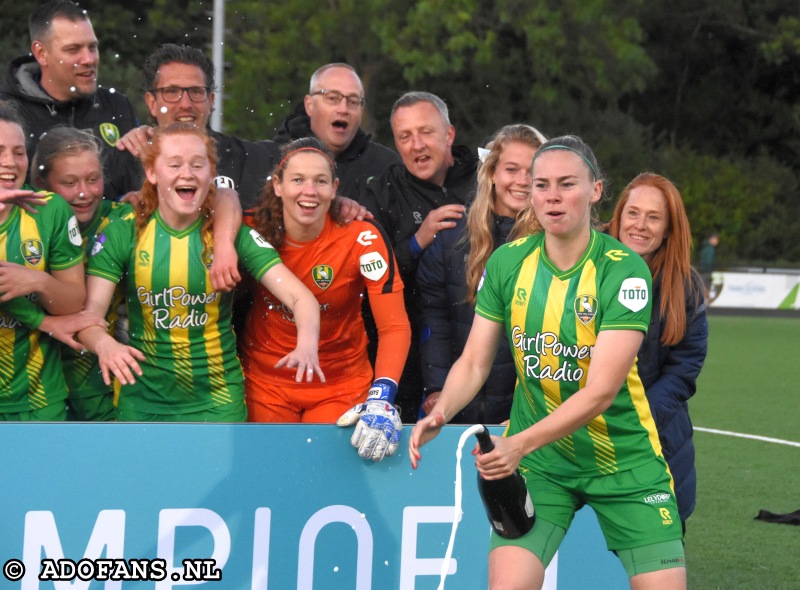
point(82, 371)
point(31, 377)
point(552, 318)
point(175, 318)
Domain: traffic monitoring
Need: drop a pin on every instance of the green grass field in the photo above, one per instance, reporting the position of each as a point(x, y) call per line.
point(750, 384)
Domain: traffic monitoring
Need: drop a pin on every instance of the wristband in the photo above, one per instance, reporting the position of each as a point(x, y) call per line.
point(383, 389)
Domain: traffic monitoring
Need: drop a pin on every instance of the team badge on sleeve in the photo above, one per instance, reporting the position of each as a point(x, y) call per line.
point(633, 293)
point(31, 251)
point(373, 266)
point(585, 308)
point(322, 275)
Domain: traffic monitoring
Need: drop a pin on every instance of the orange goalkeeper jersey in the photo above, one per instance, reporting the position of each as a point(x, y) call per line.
point(336, 267)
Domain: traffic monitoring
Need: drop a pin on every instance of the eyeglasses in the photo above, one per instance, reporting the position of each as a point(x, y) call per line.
point(334, 97)
point(175, 93)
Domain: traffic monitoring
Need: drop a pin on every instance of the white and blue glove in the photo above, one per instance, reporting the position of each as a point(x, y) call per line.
point(377, 433)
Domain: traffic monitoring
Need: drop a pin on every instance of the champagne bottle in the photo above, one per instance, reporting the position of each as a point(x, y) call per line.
point(507, 502)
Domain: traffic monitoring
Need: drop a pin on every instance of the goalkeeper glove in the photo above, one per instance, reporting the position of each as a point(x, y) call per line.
point(377, 433)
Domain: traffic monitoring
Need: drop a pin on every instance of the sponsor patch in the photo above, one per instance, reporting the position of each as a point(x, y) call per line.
point(322, 275)
point(585, 308)
point(658, 498)
point(373, 266)
point(98, 244)
point(110, 133)
point(259, 239)
point(144, 258)
point(74, 231)
point(224, 182)
point(633, 294)
point(31, 251)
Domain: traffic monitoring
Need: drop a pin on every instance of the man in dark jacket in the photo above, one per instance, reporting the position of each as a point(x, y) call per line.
point(178, 85)
point(416, 199)
point(57, 85)
point(332, 112)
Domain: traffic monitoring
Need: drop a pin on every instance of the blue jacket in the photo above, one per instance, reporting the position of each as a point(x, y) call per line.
point(669, 375)
point(446, 319)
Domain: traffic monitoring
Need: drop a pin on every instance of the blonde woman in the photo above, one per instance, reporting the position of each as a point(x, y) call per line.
point(451, 269)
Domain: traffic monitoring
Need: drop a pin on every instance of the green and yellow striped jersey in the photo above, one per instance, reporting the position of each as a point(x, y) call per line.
point(31, 377)
point(182, 326)
point(552, 318)
point(82, 371)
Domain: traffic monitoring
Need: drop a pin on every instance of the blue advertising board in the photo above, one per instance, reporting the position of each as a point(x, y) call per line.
point(248, 506)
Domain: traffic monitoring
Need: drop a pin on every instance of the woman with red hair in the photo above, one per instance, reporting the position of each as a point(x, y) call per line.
point(651, 220)
point(181, 364)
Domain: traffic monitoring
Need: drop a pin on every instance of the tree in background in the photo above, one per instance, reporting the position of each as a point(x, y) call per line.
point(127, 31)
point(706, 92)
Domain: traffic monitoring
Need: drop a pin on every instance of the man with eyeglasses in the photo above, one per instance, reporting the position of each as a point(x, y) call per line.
point(57, 85)
point(332, 112)
point(178, 84)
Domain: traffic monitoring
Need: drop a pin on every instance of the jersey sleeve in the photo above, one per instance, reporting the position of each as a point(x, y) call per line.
point(490, 302)
point(25, 311)
point(111, 249)
point(255, 252)
point(625, 293)
point(66, 244)
point(394, 334)
point(376, 260)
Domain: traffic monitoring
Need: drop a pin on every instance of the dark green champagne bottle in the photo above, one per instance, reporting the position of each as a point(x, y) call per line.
point(507, 502)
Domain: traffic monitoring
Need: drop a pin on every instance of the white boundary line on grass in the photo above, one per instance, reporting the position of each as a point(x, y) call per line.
point(779, 441)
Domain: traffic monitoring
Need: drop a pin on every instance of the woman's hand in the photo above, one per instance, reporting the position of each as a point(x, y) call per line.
point(17, 280)
point(502, 461)
point(224, 271)
point(22, 198)
point(425, 430)
point(306, 361)
point(121, 360)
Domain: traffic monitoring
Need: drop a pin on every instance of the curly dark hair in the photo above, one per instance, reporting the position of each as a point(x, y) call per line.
point(268, 214)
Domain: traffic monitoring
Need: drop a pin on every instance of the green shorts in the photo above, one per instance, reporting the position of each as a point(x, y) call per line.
point(231, 412)
point(635, 508)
